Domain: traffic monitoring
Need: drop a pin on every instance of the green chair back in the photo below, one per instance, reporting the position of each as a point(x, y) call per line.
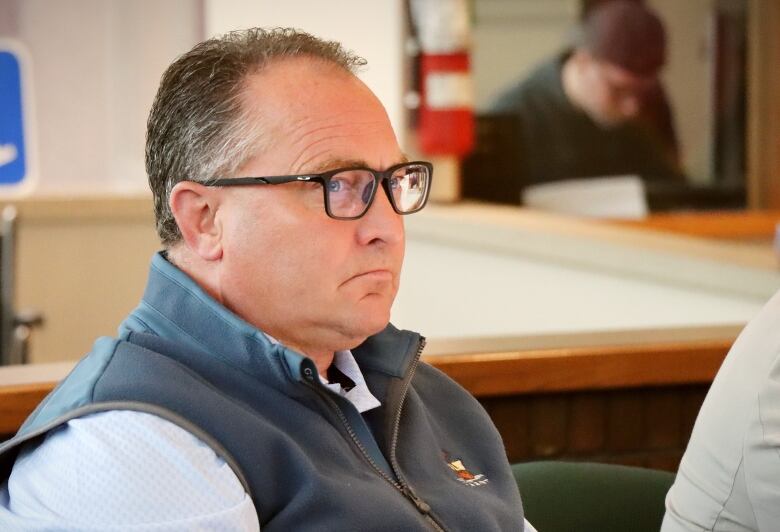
point(585, 497)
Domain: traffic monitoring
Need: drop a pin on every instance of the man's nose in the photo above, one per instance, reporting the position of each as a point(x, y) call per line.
point(381, 223)
point(630, 106)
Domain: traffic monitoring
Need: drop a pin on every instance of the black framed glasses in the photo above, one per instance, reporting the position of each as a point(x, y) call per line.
point(349, 192)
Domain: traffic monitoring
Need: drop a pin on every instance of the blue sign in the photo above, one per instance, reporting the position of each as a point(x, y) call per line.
point(13, 156)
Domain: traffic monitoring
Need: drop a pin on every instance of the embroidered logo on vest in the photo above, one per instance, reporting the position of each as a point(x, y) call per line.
point(464, 475)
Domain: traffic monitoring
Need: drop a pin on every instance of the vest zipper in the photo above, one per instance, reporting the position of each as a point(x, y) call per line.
point(401, 485)
point(422, 506)
point(353, 436)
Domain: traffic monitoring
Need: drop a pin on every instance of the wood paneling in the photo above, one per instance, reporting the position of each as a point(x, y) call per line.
point(587, 427)
point(763, 157)
point(624, 426)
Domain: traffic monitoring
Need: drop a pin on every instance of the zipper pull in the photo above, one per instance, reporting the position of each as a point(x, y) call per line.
point(421, 505)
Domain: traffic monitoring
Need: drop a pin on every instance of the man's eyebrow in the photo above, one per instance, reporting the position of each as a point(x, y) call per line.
point(332, 164)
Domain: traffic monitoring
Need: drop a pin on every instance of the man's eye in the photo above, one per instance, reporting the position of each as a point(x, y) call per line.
point(335, 185)
point(394, 182)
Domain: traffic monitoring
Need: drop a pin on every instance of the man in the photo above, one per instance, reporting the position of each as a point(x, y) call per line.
point(258, 384)
point(595, 110)
point(729, 477)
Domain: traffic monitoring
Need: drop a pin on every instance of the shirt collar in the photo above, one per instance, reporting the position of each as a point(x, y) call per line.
point(360, 396)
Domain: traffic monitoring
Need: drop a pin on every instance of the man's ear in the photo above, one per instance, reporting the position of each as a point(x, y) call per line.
point(194, 207)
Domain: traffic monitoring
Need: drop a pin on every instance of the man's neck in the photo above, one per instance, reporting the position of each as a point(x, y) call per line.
point(322, 359)
point(183, 259)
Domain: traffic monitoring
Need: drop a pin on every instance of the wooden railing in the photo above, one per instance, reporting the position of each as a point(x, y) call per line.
point(535, 367)
point(585, 368)
point(23, 387)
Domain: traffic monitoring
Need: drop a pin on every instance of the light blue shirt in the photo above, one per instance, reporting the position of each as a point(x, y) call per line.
point(124, 470)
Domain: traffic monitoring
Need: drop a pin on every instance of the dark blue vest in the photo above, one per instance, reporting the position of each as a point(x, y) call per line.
point(428, 458)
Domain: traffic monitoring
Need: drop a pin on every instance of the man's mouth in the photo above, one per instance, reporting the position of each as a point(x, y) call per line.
point(378, 276)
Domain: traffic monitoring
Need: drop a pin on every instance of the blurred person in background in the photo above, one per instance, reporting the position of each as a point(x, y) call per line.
point(596, 109)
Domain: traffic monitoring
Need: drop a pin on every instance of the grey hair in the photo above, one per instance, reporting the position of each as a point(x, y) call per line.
point(199, 127)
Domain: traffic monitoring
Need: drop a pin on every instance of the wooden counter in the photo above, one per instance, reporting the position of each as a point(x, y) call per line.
point(721, 225)
point(584, 368)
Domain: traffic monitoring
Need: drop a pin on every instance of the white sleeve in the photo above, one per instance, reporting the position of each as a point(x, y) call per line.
point(124, 470)
point(528, 527)
point(762, 454)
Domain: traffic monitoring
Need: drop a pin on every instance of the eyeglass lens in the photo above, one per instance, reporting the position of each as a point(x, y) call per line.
point(350, 192)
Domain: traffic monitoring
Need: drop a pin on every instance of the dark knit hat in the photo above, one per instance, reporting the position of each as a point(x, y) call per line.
point(626, 34)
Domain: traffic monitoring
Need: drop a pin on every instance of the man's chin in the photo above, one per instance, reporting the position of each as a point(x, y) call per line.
point(355, 338)
point(374, 324)
point(365, 315)
point(610, 122)
point(365, 325)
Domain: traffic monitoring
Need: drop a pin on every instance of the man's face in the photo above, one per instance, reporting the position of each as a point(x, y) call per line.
point(614, 95)
point(312, 282)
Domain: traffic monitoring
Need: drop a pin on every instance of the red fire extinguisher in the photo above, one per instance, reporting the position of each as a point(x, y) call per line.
point(446, 112)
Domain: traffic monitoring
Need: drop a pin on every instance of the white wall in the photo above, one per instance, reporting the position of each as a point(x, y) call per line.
point(687, 78)
point(371, 28)
point(513, 36)
point(96, 65)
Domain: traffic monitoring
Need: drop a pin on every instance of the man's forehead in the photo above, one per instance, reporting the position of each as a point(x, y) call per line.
point(282, 74)
point(620, 76)
point(334, 163)
point(319, 117)
point(291, 90)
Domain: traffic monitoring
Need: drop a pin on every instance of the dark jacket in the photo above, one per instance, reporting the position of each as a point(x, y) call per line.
point(552, 140)
point(428, 458)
